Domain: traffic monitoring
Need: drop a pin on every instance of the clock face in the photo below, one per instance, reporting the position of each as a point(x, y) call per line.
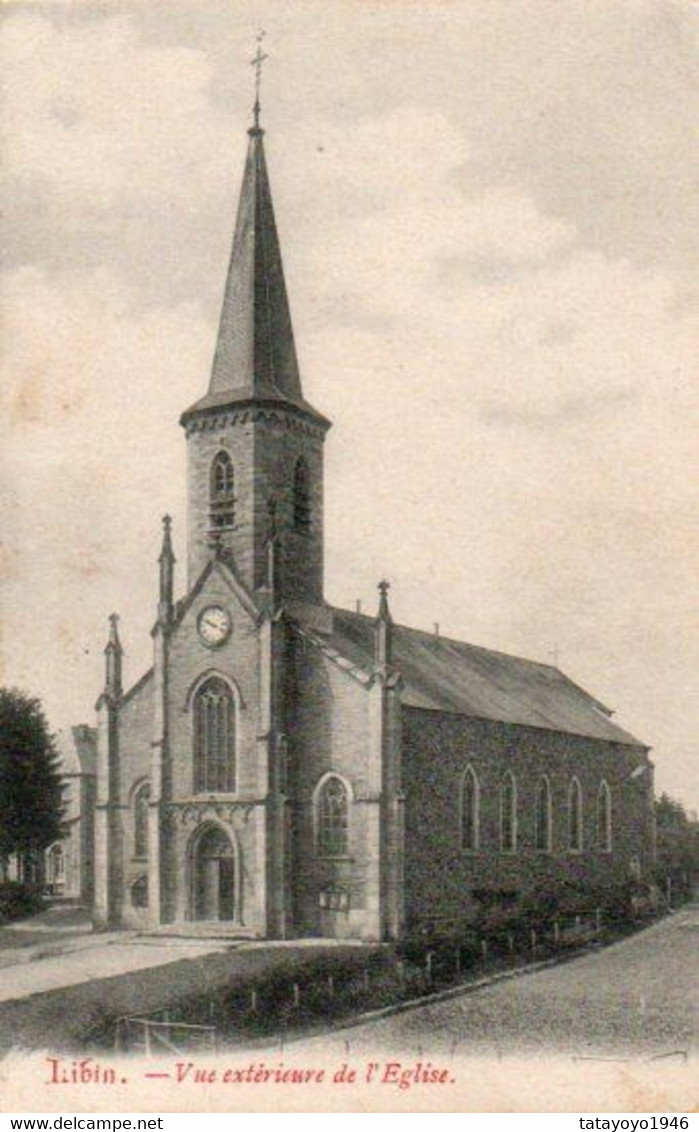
point(214, 625)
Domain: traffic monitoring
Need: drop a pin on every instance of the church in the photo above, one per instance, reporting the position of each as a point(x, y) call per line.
point(286, 768)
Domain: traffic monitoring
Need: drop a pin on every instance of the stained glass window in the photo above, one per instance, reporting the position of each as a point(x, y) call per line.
point(508, 814)
point(214, 737)
point(604, 818)
point(575, 817)
point(469, 810)
point(140, 820)
point(332, 818)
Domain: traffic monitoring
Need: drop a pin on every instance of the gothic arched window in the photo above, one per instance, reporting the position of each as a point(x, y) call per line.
point(214, 737)
point(542, 816)
point(332, 818)
point(470, 802)
point(222, 491)
point(302, 497)
point(57, 864)
point(575, 817)
point(140, 820)
point(139, 892)
point(604, 818)
point(508, 813)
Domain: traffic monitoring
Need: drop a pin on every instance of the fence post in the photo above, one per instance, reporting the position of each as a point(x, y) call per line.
point(556, 933)
point(428, 966)
point(297, 995)
point(511, 943)
point(598, 921)
point(331, 986)
point(533, 940)
point(484, 951)
point(365, 979)
point(401, 971)
point(253, 1000)
point(458, 962)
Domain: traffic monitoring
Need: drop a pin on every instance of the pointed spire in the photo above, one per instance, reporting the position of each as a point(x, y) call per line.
point(255, 352)
point(383, 628)
point(113, 656)
point(167, 574)
point(255, 357)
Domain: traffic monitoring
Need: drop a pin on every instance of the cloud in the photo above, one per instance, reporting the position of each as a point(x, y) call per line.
point(92, 457)
point(485, 232)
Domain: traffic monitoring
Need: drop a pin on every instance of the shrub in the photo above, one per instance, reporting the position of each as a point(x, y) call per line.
point(18, 900)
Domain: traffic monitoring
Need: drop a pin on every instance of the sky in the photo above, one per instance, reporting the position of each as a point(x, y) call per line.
point(488, 216)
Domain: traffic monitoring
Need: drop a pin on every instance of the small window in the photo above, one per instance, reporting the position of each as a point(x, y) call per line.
point(222, 492)
point(508, 814)
point(542, 831)
point(334, 899)
point(470, 804)
point(604, 818)
point(57, 864)
point(302, 497)
point(141, 806)
point(139, 893)
point(332, 816)
point(575, 817)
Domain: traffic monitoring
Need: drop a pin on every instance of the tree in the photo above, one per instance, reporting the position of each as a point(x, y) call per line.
point(31, 806)
point(677, 845)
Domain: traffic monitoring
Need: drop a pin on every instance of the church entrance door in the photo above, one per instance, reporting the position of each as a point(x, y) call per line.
point(214, 895)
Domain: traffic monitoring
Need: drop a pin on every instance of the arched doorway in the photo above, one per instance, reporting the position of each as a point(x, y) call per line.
point(214, 895)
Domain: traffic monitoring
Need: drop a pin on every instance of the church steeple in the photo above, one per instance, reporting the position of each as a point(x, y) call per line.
point(253, 437)
point(255, 358)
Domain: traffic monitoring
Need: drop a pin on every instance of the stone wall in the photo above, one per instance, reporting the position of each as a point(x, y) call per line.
point(330, 732)
point(264, 447)
point(443, 880)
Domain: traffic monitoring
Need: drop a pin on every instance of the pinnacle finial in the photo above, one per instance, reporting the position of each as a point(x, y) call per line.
point(166, 549)
point(114, 628)
point(383, 588)
point(113, 657)
point(256, 62)
point(383, 629)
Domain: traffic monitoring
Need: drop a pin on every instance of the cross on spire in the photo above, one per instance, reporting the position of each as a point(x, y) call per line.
point(256, 62)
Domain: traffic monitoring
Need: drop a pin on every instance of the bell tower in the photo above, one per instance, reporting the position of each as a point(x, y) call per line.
point(255, 446)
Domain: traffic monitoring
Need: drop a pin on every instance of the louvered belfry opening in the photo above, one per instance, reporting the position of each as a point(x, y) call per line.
point(222, 493)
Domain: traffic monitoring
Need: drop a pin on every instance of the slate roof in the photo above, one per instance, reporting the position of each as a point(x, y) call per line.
point(255, 360)
point(451, 676)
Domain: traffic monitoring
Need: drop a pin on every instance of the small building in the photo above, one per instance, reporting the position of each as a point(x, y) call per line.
point(287, 768)
point(69, 863)
point(66, 867)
